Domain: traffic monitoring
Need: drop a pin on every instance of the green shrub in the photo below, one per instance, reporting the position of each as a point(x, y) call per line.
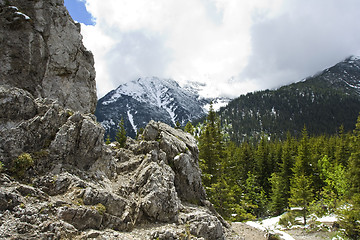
point(100, 208)
point(79, 202)
point(273, 237)
point(350, 222)
point(21, 164)
point(287, 219)
point(1, 167)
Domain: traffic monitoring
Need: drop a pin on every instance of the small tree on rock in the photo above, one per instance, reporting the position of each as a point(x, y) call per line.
point(121, 134)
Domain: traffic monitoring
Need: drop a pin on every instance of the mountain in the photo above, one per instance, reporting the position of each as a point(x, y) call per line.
point(150, 98)
point(322, 103)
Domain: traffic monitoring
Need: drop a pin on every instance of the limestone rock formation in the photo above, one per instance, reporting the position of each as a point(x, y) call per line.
point(58, 180)
point(42, 53)
point(123, 189)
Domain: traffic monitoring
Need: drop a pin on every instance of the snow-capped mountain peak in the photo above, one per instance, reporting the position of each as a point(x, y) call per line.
point(149, 89)
point(150, 98)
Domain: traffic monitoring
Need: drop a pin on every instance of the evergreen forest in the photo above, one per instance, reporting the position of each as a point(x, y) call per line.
point(317, 174)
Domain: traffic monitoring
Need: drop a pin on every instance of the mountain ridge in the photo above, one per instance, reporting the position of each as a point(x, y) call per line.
point(322, 102)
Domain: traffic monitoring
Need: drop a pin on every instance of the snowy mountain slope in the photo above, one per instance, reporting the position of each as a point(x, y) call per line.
point(344, 76)
point(151, 98)
point(322, 103)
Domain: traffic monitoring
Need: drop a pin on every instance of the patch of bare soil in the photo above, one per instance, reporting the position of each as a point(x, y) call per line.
point(247, 232)
point(302, 234)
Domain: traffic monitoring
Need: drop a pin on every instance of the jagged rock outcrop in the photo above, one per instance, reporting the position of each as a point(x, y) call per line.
point(42, 53)
point(58, 179)
point(121, 189)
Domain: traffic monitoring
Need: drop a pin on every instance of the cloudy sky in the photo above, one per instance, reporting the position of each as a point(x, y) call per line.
point(234, 46)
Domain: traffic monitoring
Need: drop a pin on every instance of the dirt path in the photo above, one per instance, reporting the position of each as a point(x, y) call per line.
point(248, 232)
point(301, 234)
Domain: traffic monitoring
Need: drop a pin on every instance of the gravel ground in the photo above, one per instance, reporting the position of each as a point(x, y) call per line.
point(250, 233)
point(301, 234)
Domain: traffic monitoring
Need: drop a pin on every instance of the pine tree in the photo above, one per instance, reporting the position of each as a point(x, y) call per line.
point(301, 194)
point(211, 149)
point(222, 197)
point(286, 165)
point(107, 140)
point(278, 194)
point(354, 163)
point(350, 217)
point(303, 159)
point(139, 132)
point(189, 128)
point(263, 164)
point(301, 189)
point(254, 196)
point(121, 134)
point(342, 151)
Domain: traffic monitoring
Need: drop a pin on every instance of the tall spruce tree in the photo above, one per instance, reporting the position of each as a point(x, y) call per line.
point(121, 134)
point(215, 163)
point(301, 189)
point(254, 196)
point(263, 164)
point(211, 148)
point(350, 217)
point(301, 194)
point(278, 194)
point(354, 163)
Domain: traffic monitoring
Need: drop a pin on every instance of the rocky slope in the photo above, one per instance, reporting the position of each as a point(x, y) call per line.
point(58, 180)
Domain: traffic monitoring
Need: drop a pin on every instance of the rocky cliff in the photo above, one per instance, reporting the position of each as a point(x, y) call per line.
point(42, 53)
point(58, 180)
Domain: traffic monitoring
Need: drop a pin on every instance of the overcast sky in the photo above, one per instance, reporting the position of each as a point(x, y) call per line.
point(234, 46)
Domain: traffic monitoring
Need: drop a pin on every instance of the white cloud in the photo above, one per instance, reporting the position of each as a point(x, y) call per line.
point(234, 46)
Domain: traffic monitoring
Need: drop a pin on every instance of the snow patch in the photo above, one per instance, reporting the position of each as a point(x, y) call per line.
point(354, 58)
point(107, 124)
point(270, 224)
point(131, 119)
point(24, 15)
point(328, 219)
point(350, 85)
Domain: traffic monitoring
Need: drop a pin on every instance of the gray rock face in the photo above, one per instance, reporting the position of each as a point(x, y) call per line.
point(182, 154)
point(42, 53)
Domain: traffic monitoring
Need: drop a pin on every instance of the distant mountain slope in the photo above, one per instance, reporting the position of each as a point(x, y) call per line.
point(151, 98)
point(322, 102)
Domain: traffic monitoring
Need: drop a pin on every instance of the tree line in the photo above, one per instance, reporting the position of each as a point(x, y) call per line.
point(313, 174)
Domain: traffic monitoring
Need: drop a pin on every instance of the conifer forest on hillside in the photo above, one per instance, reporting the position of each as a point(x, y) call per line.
point(314, 174)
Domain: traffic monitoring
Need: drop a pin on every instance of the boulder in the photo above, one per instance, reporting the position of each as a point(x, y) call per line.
point(78, 142)
point(182, 155)
point(158, 197)
point(81, 218)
